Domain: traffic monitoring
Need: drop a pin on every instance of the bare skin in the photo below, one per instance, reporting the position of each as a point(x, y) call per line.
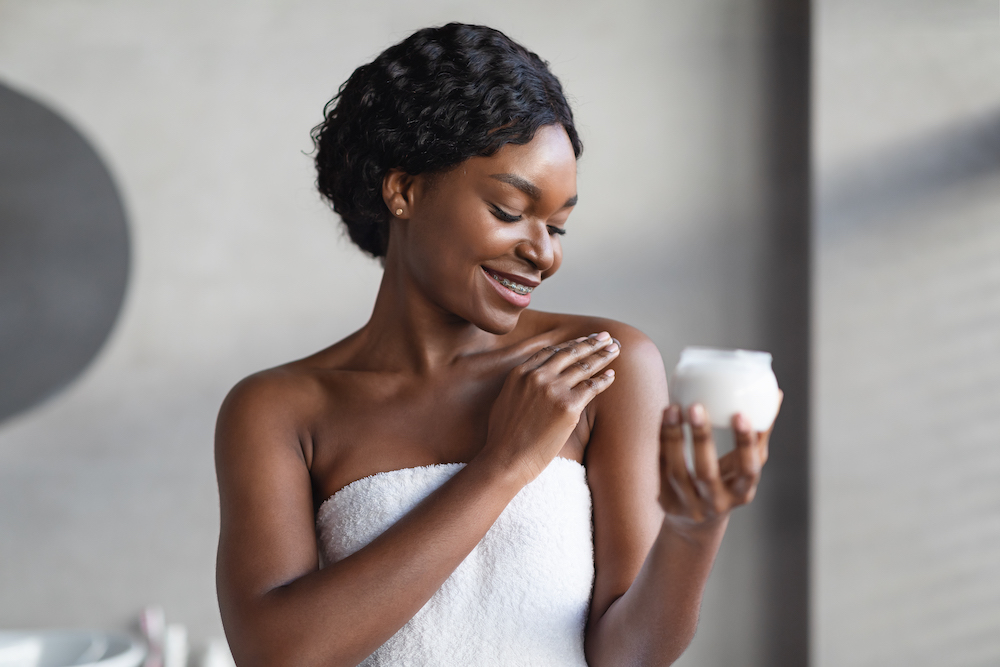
point(451, 368)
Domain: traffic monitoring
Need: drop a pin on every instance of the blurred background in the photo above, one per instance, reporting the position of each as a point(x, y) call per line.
point(821, 180)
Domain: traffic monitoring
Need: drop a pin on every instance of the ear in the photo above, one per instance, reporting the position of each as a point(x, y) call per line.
point(398, 193)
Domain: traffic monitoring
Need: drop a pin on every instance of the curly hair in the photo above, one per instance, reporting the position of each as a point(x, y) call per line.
point(437, 98)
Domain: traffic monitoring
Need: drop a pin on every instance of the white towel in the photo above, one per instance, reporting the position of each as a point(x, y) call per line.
point(520, 598)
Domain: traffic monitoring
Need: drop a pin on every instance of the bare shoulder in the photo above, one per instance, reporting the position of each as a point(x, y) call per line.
point(638, 351)
point(272, 406)
point(640, 360)
point(287, 395)
point(269, 391)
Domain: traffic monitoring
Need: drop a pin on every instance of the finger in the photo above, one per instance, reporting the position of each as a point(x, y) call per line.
point(592, 336)
point(588, 388)
point(671, 437)
point(670, 501)
point(743, 483)
point(763, 447)
point(742, 432)
point(539, 358)
point(706, 460)
point(674, 465)
point(573, 351)
point(728, 465)
point(671, 432)
point(590, 364)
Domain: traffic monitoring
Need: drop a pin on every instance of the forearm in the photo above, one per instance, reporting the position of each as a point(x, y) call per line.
point(342, 613)
point(653, 622)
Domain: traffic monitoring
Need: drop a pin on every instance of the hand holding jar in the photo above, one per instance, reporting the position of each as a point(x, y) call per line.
point(726, 389)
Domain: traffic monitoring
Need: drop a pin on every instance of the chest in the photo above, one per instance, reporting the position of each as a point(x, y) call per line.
point(369, 429)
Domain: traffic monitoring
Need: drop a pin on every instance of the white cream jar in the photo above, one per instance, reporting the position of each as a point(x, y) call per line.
point(727, 382)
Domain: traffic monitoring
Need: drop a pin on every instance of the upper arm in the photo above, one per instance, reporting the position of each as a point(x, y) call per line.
point(267, 534)
point(623, 466)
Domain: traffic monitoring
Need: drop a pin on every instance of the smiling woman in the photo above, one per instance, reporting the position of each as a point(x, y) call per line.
point(491, 221)
point(465, 480)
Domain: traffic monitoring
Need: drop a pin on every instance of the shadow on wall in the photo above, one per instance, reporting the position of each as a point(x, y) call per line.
point(908, 174)
point(64, 253)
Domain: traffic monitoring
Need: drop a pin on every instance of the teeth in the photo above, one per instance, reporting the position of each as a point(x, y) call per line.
point(514, 287)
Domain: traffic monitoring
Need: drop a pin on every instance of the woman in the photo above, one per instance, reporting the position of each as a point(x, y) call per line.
point(439, 452)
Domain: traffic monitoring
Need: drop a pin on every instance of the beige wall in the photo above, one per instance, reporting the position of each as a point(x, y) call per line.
point(202, 110)
point(906, 472)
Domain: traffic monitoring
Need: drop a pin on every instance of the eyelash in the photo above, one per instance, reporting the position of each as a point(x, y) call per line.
point(507, 217)
point(504, 215)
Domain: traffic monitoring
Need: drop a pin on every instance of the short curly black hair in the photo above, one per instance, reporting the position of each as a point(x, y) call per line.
point(437, 98)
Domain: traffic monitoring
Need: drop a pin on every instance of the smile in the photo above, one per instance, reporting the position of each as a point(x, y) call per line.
point(512, 286)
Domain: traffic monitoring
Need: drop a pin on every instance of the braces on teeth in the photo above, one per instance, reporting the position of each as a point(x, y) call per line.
point(520, 289)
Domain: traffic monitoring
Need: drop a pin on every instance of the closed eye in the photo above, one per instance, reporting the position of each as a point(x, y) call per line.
point(556, 230)
point(503, 215)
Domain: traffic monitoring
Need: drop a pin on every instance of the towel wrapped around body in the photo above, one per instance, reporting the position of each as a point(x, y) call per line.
point(520, 597)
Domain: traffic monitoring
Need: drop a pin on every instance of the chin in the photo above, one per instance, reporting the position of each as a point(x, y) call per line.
point(498, 324)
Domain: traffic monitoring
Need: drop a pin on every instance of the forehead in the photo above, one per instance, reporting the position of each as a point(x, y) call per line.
point(547, 161)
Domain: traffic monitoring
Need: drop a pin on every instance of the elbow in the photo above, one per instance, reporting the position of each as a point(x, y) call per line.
point(265, 631)
point(643, 647)
point(288, 657)
point(265, 649)
point(261, 651)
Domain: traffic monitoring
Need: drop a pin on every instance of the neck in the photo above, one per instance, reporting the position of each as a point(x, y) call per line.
point(409, 333)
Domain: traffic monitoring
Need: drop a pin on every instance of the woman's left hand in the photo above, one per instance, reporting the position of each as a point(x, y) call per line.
point(717, 485)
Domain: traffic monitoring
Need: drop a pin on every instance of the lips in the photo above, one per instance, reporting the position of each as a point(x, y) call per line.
point(514, 289)
point(517, 284)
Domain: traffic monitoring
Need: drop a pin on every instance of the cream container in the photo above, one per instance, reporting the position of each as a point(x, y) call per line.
point(726, 382)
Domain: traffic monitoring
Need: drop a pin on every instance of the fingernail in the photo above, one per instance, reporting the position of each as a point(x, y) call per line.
point(580, 339)
point(673, 416)
point(604, 335)
point(610, 372)
point(697, 415)
point(593, 336)
point(742, 423)
point(612, 348)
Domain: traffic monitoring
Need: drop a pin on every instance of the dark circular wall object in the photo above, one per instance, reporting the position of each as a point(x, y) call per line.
point(64, 252)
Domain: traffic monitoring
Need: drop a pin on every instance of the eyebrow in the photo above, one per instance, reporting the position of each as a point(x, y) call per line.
point(529, 188)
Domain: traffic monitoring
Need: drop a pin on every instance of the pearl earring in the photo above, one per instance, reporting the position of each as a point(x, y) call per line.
point(399, 211)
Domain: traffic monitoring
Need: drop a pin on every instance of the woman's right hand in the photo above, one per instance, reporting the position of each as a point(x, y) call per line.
point(542, 400)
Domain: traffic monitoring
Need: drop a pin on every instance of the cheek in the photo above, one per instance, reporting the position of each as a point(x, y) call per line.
point(448, 245)
point(495, 240)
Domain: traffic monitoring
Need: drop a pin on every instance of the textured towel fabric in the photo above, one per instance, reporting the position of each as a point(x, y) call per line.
point(520, 598)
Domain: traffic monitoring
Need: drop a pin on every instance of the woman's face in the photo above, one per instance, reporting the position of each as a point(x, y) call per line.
point(478, 238)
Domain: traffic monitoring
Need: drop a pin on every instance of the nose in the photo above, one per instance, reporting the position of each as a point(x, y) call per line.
point(536, 247)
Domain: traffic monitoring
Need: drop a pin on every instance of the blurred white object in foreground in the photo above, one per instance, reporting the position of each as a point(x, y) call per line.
point(175, 646)
point(63, 648)
point(153, 623)
point(727, 382)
